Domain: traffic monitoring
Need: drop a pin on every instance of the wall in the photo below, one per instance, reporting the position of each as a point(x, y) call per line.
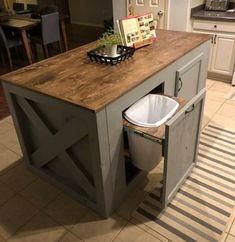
point(27, 1)
point(119, 10)
point(90, 12)
point(195, 3)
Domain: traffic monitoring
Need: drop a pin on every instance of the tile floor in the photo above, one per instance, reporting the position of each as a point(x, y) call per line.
point(32, 210)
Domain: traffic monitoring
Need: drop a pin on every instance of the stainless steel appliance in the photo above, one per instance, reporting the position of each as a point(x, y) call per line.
point(217, 5)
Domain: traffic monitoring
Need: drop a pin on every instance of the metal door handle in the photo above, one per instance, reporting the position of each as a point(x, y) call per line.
point(160, 13)
point(181, 84)
point(189, 111)
point(212, 40)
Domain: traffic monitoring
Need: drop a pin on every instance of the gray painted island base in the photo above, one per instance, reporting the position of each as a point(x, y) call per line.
point(82, 152)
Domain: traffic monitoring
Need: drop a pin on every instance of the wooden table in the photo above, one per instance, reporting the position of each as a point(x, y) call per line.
point(22, 26)
point(22, 23)
point(62, 26)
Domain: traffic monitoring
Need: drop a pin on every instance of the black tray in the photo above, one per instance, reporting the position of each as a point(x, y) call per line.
point(99, 55)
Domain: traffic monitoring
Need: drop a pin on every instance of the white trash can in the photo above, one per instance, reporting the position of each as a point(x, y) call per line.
point(151, 111)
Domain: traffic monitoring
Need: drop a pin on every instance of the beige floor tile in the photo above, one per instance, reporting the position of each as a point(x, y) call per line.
point(132, 233)
point(69, 237)
point(223, 122)
point(230, 102)
point(131, 203)
point(232, 229)
point(17, 149)
point(9, 138)
point(2, 240)
point(220, 91)
point(209, 83)
point(40, 193)
point(5, 127)
point(65, 210)
point(211, 107)
point(18, 178)
point(9, 119)
point(228, 111)
point(148, 230)
point(40, 228)
point(205, 122)
point(93, 228)
point(14, 214)
point(8, 159)
point(230, 238)
point(152, 180)
point(5, 193)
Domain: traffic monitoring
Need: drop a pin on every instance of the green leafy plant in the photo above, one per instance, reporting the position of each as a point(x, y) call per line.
point(109, 38)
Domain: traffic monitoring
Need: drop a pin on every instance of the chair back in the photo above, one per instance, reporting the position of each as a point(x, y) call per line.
point(3, 39)
point(33, 7)
point(50, 28)
point(18, 6)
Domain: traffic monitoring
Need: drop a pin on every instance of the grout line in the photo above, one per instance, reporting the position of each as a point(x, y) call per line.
point(115, 237)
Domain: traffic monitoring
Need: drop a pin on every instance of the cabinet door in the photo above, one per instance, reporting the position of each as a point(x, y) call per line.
point(223, 54)
point(187, 78)
point(181, 145)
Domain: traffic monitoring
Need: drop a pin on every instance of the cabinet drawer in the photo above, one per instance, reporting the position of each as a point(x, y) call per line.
point(214, 26)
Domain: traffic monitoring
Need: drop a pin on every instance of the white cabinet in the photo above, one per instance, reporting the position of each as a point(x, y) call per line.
point(222, 55)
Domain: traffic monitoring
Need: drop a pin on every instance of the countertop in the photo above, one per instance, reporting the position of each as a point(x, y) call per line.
point(73, 78)
point(214, 15)
point(199, 12)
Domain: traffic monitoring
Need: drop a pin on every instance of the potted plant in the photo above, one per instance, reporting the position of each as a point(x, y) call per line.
point(110, 40)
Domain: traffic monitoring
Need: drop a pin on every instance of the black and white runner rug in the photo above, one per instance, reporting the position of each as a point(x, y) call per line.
point(203, 206)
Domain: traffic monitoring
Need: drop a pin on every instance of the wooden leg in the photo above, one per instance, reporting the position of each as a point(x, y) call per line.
point(45, 50)
point(35, 53)
point(27, 46)
point(64, 35)
point(9, 58)
point(60, 46)
point(2, 55)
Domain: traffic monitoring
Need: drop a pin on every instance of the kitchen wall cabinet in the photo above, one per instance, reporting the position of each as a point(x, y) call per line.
point(222, 54)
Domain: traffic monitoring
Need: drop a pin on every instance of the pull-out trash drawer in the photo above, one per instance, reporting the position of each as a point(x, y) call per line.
point(176, 140)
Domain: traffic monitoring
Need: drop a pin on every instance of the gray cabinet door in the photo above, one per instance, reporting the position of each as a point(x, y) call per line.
point(181, 144)
point(188, 78)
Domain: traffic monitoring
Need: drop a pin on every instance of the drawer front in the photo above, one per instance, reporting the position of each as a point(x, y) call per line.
point(214, 26)
point(180, 151)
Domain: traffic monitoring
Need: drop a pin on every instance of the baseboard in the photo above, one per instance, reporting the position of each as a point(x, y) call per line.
point(87, 24)
point(219, 77)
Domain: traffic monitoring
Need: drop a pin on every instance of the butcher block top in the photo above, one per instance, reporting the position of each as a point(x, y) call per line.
point(73, 78)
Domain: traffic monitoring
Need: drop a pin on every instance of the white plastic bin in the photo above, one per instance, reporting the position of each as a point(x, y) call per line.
point(151, 111)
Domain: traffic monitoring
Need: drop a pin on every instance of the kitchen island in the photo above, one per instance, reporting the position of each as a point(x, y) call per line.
point(68, 114)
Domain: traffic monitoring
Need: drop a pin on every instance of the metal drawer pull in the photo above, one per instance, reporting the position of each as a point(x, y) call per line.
point(189, 111)
point(181, 84)
point(215, 39)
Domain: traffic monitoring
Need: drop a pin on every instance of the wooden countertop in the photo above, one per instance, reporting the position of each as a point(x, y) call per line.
point(73, 78)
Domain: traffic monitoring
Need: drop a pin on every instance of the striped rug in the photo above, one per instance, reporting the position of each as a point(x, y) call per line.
point(202, 207)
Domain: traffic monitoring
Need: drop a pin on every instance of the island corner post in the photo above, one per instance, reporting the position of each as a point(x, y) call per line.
point(69, 123)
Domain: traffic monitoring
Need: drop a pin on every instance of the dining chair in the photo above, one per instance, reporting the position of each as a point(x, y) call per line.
point(18, 6)
point(33, 7)
point(7, 44)
point(50, 32)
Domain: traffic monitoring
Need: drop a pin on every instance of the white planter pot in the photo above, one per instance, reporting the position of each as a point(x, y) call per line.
point(111, 51)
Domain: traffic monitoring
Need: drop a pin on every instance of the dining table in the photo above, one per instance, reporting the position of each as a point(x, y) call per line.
point(23, 23)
